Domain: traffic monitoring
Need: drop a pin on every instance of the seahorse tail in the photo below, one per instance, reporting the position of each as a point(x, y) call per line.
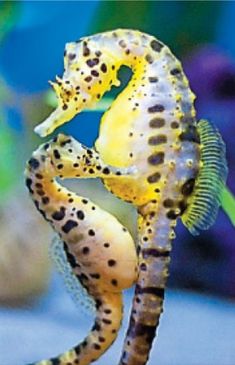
point(103, 333)
point(147, 306)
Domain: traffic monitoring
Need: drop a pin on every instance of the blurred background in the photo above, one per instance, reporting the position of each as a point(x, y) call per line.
point(38, 318)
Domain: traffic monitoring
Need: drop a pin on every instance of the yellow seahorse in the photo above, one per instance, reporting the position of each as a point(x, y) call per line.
point(177, 166)
point(100, 250)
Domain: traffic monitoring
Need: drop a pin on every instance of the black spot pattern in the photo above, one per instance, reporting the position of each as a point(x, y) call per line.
point(59, 215)
point(156, 45)
point(69, 225)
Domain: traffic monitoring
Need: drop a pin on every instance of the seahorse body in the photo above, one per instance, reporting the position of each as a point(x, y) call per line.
point(99, 249)
point(151, 125)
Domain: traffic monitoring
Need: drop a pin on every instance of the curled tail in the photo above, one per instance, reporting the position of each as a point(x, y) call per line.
point(155, 237)
point(102, 335)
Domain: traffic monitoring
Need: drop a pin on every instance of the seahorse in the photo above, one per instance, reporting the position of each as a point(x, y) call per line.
point(179, 164)
point(100, 251)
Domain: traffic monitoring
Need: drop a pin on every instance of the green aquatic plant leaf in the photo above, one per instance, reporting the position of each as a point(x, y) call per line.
point(9, 15)
point(228, 204)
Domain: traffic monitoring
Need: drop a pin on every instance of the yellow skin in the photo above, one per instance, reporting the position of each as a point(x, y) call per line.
point(151, 135)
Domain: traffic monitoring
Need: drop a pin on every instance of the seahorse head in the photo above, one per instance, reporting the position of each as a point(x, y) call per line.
point(89, 70)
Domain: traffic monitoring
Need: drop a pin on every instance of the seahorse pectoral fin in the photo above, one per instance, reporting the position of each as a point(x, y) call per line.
point(205, 200)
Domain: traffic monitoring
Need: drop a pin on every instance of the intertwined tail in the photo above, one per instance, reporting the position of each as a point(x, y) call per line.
point(102, 335)
point(155, 245)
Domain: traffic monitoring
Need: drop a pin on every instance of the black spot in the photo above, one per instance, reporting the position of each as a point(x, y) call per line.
point(159, 292)
point(60, 166)
point(96, 346)
point(71, 56)
point(156, 140)
point(171, 214)
point(85, 250)
point(40, 192)
point(45, 200)
point(188, 187)
point(34, 163)
point(175, 71)
point(168, 203)
point(46, 146)
point(106, 171)
point(156, 45)
point(80, 214)
point(56, 154)
point(69, 225)
point(86, 50)
point(91, 232)
point(92, 62)
point(103, 67)
point(156, 158)
point(156, 108)
point(157, 122)
point(122, 43)
point(95, 276)
point(84, 201)
point(101, 339)
point(67, 141)
point(77, 349)
point(88, 79)
point(155, 253)
point(114, 282)
point(140, 329)
point(38, 185)
point(98, 303)
point(106, 245)
point(59, 215)
point(149, 58)
point(153, 79)
point(111, 263)
point(106, 321)
point(96, 326)
point(65, 106)
point(28, 183)
point(174, 125)
point(143, 266)
point(154, 178)
point(94, 73)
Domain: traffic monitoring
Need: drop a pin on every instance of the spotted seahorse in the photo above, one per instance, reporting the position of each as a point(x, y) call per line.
point(179, 165)
point(100, 250)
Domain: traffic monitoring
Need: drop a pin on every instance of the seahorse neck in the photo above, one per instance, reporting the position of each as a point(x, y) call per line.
point(157, 73)
point(42, 184)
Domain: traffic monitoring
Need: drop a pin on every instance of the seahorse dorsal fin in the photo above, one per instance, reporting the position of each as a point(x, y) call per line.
point(205, 200)
point(77, 292)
